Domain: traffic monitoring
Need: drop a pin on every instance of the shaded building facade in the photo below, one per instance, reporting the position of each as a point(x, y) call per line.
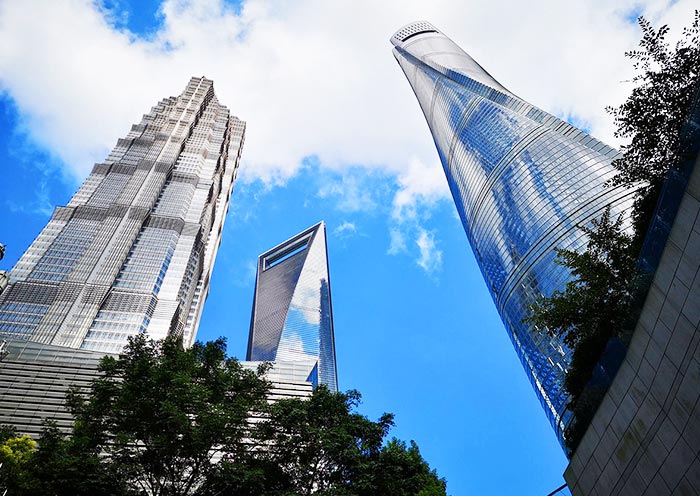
point(523, 181)
point(134, 248)
point(292, 317)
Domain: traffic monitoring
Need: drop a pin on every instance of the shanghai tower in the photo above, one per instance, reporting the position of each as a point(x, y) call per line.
point(523, 182)
point(134, 248)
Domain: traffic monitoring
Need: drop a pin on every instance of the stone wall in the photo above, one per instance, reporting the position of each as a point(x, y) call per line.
point(645, 436)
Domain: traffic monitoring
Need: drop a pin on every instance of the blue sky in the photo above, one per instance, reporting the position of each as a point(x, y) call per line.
point(335, 134)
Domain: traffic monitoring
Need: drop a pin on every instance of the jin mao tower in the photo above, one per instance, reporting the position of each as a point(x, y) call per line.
point(134, 248)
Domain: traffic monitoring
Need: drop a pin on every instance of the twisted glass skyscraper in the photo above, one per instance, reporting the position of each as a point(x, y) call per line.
point(134, 248)
point(522, 180)
point(292, 321)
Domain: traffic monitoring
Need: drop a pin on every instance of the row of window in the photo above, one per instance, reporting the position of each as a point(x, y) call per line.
point(519, 187)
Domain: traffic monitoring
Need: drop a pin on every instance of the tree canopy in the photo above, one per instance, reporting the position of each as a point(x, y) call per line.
point(163, 420)
point(651, 118)
point(162, 413)
point(595, 302)
point(598, 302)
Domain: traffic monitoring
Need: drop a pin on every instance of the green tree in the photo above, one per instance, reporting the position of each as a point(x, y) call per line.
point(399, 470)
point(652, 116)
point(595, 303)
point(64, 466)
point(163, 420)
point(15, 453)
point(161, 414)
point(319, 441)
point(6, 432)
point(321, 446)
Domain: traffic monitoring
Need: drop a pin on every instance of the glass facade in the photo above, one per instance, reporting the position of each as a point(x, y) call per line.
point(522, 181)
point(134, 249)
point(292, 320)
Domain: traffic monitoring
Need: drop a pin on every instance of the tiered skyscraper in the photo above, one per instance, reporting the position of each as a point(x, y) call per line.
point(292, 320)
point(134, 249)
point(522, 180)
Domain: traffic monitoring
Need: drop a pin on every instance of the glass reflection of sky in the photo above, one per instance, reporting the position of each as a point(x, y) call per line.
point(304, 327)
point(306, 333)
point(522, 181)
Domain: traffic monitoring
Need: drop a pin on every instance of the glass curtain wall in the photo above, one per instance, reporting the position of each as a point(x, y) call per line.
point(522, 181)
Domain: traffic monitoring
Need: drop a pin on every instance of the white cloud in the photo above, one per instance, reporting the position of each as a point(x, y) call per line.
point(352, 191)
point(311, 77)
point(430, 257)
point(345, 230)
point(40, 204)
point(397, 243)
point(419, 185)
point(243, 275)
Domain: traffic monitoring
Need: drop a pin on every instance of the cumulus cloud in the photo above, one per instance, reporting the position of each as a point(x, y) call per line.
point(430, 258)
point(420, 185)
point(353, 191)
point(244, 275)
point(345, 230)
point(40, 204)
point(311, 77)
point(397, 243)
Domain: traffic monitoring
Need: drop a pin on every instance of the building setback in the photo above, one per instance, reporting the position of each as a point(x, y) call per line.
point(134, 248)
point(292, 318)
point(523, 181)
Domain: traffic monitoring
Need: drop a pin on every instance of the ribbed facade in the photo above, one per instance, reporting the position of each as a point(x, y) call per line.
point(134, 248)
point(292, 319)
point(522, 181)
point(288, 380)
point(35, 378)
point(34, 381)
